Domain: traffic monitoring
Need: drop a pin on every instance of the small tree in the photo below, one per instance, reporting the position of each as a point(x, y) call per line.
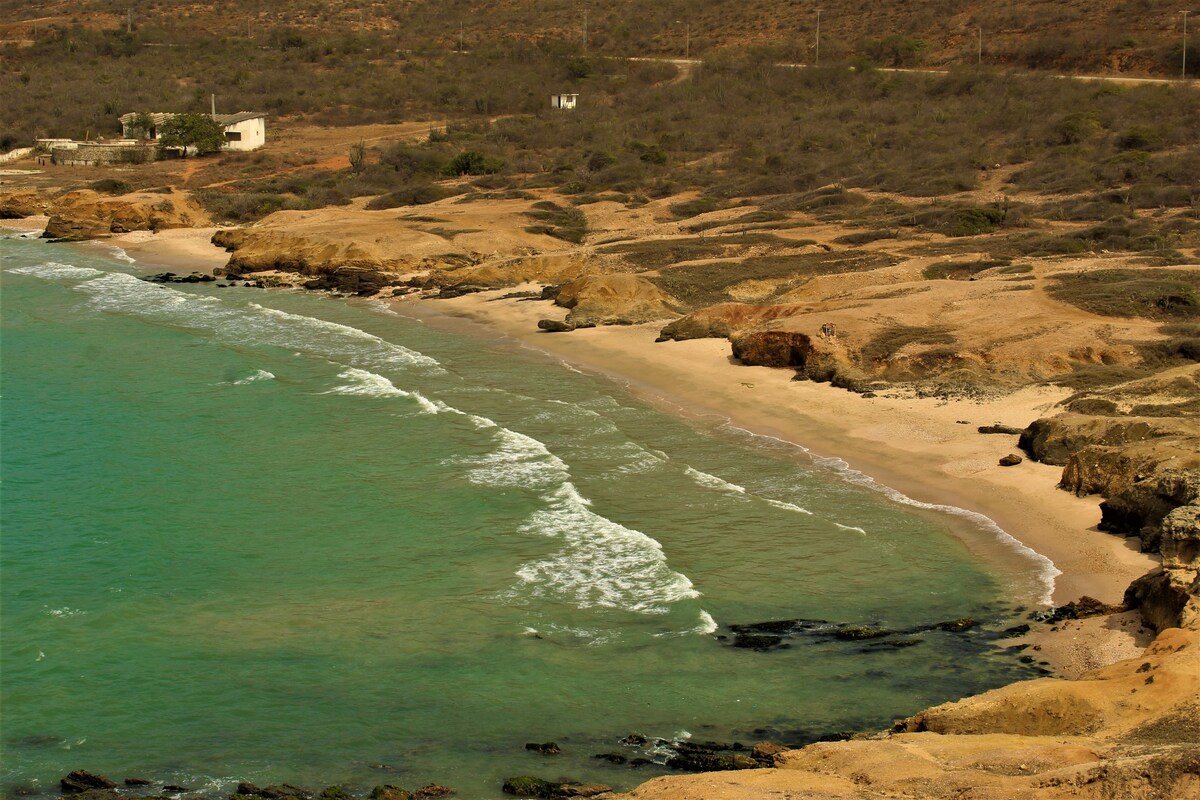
point(140, 125)
point(200, 131)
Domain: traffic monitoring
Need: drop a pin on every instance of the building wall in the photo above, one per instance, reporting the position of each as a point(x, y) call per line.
point(252, 134)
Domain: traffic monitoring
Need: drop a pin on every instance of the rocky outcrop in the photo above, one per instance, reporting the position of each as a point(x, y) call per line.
point(21, 204)
point(1167, 598)
point(85, 214)
point(772, 348)
point(614, 299)
point(1053, 440)
point(719, 321)
point(1129, 730)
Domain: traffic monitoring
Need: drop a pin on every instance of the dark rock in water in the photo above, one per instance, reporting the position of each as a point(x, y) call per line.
point(581, 789)
point(335, 793)
point(774, 626)
point(711, 762)
point(387, 791)
point(1010, 460)
point(639, 762)
point(170, 787)
point(555, 326)
point(137, 782)
point(81, 781)
point(95, 794)
point(1078, 609)
point(41, 740)
point(635, 739)
point(612, 758)
point(998, 428)
point(545, 748)
point(528, 786)
point(956, 625)
point(433, 790)
point(1016, 630)
point(875, 647)
point(756, 641)
point(859, 632)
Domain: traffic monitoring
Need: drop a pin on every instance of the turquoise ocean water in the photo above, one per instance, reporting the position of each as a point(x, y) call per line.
point(276, 536)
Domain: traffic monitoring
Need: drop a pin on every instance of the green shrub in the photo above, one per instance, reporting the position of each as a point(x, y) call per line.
point(472, 162)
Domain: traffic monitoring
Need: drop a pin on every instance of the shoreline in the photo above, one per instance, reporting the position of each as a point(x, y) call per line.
point(916, 447)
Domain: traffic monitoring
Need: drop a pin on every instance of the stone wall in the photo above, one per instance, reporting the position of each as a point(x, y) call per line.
point(95, 154)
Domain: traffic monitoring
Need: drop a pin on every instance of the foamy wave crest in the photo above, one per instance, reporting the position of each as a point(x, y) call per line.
point(713, 482)
point(369, 384)
point(119, 293)
point(849, 528)
point(520, 461)
point(787, 506)
point(35, 233)
point(384, 351)
point(602, 563)
point(706, 627)
point(1047, 572)
point(117, 252)
point(259, 375)
point(54, 271)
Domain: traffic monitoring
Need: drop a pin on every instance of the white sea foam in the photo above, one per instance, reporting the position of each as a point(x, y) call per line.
point(520, 462)
point(849, 528)
point(255, 324)
point(65, 612)
point(54, 271)
point(707, 625)
point(713, 482)
point(370, 384)
point(383, 351)
point(1047, 572)
point(602, 563)
point(259, 375)
point(33, 233)
point(787, 506)
point(117, 252)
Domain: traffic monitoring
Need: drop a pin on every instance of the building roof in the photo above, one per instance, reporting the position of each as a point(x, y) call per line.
point(241, 116)
point(159, 117)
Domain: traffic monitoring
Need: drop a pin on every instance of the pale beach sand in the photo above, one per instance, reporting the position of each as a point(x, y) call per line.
point(175, 249)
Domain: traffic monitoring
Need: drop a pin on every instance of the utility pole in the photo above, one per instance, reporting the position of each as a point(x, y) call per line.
point(687, 37)
point(817, 58)
point(1183, 70)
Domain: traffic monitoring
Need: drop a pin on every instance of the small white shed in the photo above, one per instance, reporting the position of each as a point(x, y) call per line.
point(564, 101)
point(246, 130)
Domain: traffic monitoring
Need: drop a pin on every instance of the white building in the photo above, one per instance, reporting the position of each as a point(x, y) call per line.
point(564, 101)
point(245, 130)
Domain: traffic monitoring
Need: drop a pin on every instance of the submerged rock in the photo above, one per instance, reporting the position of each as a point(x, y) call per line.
point(433, 790)
point(387, 791)
point(80, 781)
point(528, 786)
point(545, 748)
